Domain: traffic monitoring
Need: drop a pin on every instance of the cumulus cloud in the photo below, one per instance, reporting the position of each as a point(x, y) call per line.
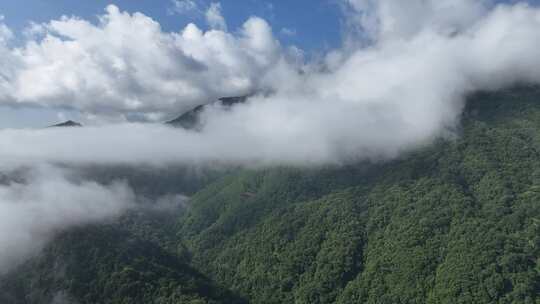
point(126, 66)
point(38, 202)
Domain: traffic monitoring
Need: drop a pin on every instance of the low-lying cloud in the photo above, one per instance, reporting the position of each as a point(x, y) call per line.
point(36, 203)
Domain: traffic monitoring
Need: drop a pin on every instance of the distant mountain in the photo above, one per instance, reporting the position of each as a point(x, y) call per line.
point(457, 221)
point(191, 119)
point(69, 123)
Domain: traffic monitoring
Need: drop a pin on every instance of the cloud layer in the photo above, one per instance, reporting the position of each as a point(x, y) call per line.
point(404, 88)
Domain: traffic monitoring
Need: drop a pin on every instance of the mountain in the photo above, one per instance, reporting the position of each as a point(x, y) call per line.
point(110, 264)
point(191, 119)
point(454, 222)
point(69, 123)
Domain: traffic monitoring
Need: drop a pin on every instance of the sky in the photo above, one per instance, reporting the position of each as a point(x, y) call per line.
point(398, 79)
point(315, 27)
point(312, 25)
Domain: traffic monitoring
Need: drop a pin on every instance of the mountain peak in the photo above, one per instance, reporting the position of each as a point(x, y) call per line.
point(68, 123)
point(191, 120)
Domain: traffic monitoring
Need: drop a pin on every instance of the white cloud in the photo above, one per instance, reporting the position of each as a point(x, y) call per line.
point(5, 34)
point(46, 201)
point(390, 19)
point(402, 91)
point(126, 65)
point(364, 102)
point(214, 18)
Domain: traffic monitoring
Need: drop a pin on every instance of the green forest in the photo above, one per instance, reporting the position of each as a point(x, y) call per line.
point(455, 221)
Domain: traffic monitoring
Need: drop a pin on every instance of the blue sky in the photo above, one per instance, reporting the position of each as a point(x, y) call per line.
point(315, 23)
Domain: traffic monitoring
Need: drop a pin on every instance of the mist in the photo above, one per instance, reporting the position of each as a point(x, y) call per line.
point(38, 202)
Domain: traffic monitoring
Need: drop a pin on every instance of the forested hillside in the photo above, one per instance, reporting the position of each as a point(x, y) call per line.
point(457, 221)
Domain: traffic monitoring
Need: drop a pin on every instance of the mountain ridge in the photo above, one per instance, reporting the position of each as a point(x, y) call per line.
point(457, 221)
point(190, 120)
